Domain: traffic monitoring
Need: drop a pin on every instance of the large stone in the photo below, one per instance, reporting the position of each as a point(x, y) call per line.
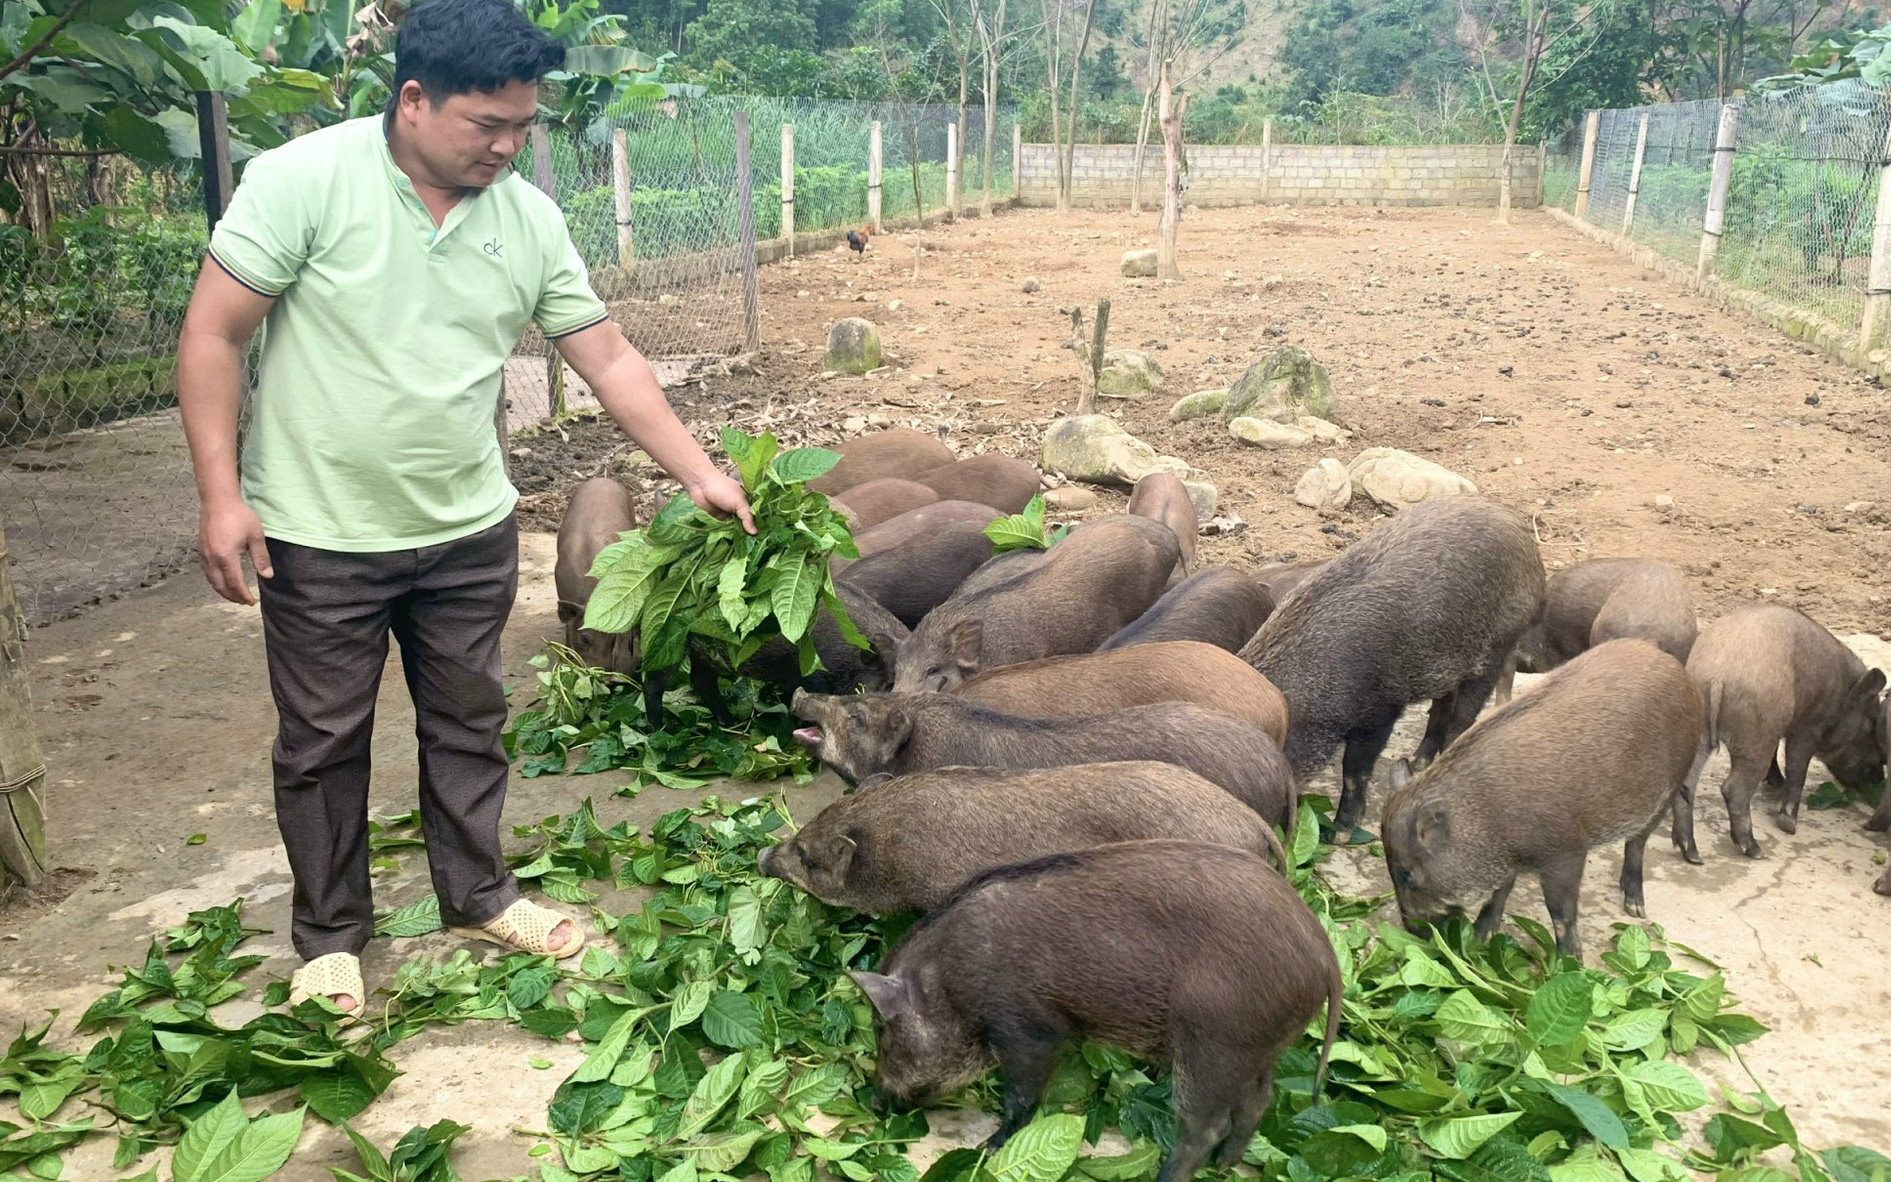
point(1267, 433)
point(853, 346)
point(1398, 479)
point(1128, 373)
point(1204, 496)
point(1139, 264)
point(1198, 405)
point(1324, 431)
point(1096, 449)
point(1068, 498)
point(1327, 486)
point(1283, 385)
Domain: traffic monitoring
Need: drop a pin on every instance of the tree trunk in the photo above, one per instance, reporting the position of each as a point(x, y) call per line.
point(1076, 73)
point(22, 770)
point(1170, 112)
point(1532, 55)
point(1142, 149)
point(992, 40)
point(1053, 10)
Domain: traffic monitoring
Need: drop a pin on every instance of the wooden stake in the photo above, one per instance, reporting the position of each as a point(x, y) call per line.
point(1634, 175)
point(548, 185)
point(787, 185)
point(22, 769)
point(1878, 279)
point(1087, 403)
point(1717, 194)
point(1017, 160)
point(1589, 129)
point(875, 176)
point(213, 140)
point(952, 170)
point(745, 222)
point(620, 183)
point(1170, 113)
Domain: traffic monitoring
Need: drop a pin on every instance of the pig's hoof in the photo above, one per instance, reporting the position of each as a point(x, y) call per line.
point(1787, 822)
point(1883, 885)
point(1879, 822)
point(1635, 909)
point(1693, 856)
point(1752, 849)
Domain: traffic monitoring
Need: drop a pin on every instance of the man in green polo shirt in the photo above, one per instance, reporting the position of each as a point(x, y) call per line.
point(392, 263)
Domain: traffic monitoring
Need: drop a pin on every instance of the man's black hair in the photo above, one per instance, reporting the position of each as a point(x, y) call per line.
point(459, 46)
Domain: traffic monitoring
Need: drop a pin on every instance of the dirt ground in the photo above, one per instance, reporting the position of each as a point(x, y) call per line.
point(155, 713)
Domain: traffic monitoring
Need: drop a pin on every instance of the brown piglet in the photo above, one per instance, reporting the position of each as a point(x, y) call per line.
point(879, 501)
point(599, 511)
point(1605, 599)
point(896, 451)
point(1219, 606)
point(1161, 496)
point(991, 479)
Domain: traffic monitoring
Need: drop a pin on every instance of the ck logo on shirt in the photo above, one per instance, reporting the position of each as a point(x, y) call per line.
point(496, 249)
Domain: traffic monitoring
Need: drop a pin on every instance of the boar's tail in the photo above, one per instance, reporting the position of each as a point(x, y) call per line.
point(1335, 999)
point(1710, 707)
point(1271, 845)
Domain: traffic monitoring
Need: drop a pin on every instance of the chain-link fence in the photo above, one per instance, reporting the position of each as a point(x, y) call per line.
point(1802, 188)
point(95, 481)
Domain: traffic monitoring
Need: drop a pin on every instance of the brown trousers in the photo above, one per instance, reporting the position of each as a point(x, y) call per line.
point(326, 619)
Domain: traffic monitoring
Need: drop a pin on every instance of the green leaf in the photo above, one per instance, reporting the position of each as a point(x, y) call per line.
point(222, 65)
point(1633, 1030)
point(1138, 1163)
point(255, 26)
point(1585, 1165)
point(1596, 1117)
point(803, 464)
point(1668, 1086)
point(729, 587)
point(207, 1137)
point(1419, 969)
point(1458, 1137)
point(603, 1057)
point(796, 586)
point(732, 1021)
point(419, 918)
point(716, 1088)
point(1469, 1020)
point(1041, 1151)
point(1633, 944)
point(336, 1095)
point(1559, 1009)
point(618, 600)
point(1855, 1163)
point(1645, 1165)
point(690, 1002)
point(745, 920)
point(236, 1150)
point(721, 1152)
point(1020, 531)
point(815, 1086)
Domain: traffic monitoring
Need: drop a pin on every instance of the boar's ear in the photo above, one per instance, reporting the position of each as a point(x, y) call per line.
point(1401, 774)
point(1869, 686)
point(899, 723)
point(837, 854)
point(873, 781)
point(569, 611)
point(891, 996)
point(1433, 829)
point(965, 642)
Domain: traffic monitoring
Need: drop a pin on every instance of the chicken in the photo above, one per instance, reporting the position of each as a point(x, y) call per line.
point(857, 241)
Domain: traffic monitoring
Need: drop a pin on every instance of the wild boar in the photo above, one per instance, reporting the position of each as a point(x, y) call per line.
point(991, 479)
point(1595, 755)
point(1428, 606)
point(1767, 674)
point(901, 733)
point(903, 843)
point(1160, 496)
point(1191, 954)
point(599, 510)
point(1218, 606)
point(879, 501)
point(1089, 586)
point(1002, 568)
point(896, 451)
point(911, 579)
point(1605, 599)
point(1282, 579)
point(923, 522)
point(1168, 671)
point(1881, 816)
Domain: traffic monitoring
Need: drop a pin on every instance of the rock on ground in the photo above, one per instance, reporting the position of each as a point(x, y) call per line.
point(1139, 264)
point(1398, 479)
point(1326, 486)
point(1069, 499)
point(1198, 405)
point(1128, 373)
point(1324, 431)
point(853, 346)
point(1283, 385)
point(1267, 433)
point(1204, 496)
point(1095, 448)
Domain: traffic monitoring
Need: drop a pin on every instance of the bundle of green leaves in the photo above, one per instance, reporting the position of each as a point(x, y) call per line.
point(690, 575)
point(1024, 531)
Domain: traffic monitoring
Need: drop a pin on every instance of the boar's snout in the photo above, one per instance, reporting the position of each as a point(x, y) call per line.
point(809, 737)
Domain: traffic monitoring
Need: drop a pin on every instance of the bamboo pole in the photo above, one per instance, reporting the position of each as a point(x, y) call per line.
point(1878, 279)
point(1724, 138)
point(1589, 129)
point(952, 170)
point(620, 184)
point(22, 768)
point(875, 175)
point(787, 185)
point(1634, 175)
point(745, 222)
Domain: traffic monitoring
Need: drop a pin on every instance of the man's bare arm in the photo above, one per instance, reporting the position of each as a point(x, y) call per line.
point(222, 317)
point(628, 390)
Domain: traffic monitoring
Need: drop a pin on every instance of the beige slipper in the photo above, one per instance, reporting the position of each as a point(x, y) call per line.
point(329, 976)
point(526, 927)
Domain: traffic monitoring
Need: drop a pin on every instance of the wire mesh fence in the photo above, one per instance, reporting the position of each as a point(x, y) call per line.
point(1803, 185)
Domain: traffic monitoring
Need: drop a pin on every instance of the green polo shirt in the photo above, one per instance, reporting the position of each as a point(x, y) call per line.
point(372, 420)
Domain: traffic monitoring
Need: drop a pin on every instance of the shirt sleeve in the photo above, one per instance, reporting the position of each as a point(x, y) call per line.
point(263, 238)
point(566, 304)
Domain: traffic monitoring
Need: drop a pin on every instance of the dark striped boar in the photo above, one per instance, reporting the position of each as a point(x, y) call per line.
point(1219, 606)
point(599, 510)
point(909, 842)
point(1592, 756)
point(1768, 674)
point(901, 733)
point(1092, 584)
point(920, 523)
point(896, 451)
point(1169, 671)
point(1427, 607)
point(1161, 496)
point(920, 573)
point(1194, 955)
point(1605, 599)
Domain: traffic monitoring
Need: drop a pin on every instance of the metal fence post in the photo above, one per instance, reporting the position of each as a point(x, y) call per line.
point(1717, 194)
point(952, 169)
point(1878, 279)
point(1589, 128)
point(620, 183)
point(875, 175)
point(745, 221)
point(787, 185)
point(213, 141)
point(1634, 175)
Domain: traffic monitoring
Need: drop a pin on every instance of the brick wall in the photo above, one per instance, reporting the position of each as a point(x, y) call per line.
point(1296, 174)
